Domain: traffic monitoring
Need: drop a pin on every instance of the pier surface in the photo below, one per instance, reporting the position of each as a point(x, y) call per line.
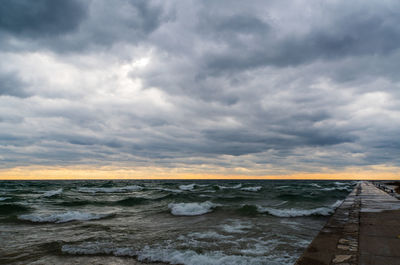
point(364, 230)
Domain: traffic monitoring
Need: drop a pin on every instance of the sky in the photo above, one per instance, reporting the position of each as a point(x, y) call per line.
point(144, 88)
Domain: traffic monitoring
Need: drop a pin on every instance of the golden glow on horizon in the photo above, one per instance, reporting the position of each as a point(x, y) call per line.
point(39, 172)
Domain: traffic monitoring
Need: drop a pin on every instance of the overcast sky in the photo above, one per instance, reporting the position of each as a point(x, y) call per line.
point(255, 87)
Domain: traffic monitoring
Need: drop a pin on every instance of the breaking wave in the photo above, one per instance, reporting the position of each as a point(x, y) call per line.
point(169, 255)
point(187, 187)
point(324, 211)
point(256, 188)
point(62, 217)
point(208, 235)
point(191, 208)
point(9, 208)
point(236, 227)
point(111, 190)
point(237, 186)
point(52, 193)
point(178, 256)
point(169, 190)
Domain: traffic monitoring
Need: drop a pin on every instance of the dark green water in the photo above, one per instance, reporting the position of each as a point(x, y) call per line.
point(176, 222)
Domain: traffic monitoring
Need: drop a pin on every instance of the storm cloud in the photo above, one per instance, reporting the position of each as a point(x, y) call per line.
point(268, 86)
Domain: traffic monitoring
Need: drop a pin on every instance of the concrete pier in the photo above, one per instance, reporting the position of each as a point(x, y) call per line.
point(365, 230)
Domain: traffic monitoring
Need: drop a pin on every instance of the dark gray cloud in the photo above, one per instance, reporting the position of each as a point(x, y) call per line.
point(41, 18)
point(76, 26)
point(260, 85)
point(11, 85)
point(347, 30)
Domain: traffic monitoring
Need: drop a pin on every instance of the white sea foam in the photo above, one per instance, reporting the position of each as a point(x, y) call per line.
point(256, 188)
point(344, 188)
point(299, 212)
point(3, 198)
point(209, 235)
point(259, 247)
point(237, 186)
point(174, 256)
point(257, 253)
point(315, 185)
point(280, 203)
point(187, 187)
point(195, 243)
point(62, 217)
point(236, 227)
point(167, 189)
point(111, 190)
point(204, 195)
point(52, 193)
point(191, 208)
point(336, 188)
point(329, 189)
point(336, 204)
point(166, 254)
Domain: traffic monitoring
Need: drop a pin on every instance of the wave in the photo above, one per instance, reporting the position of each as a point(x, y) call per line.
point(341, 183)
point(324, 211)
point(52, 193)
point(315, 185)
point(62, 217)
point(9, 208)
point(256, 188)
point(4, 198)
point(282, 187)
point(178, 256)
point(329, 189)
point(131, 201)
point(297, 196)
point(187, 187)
point(208, 235)
point(178, 196)
point(280, 203)
point(339, 188)
point(248, 210)
point(237, 186)
point(110, 190)
point(97, 248)
point(76, 203)
point(191, 208)
point(236, 227)
point(229, 198)
point(169, 190)
point(170, 255)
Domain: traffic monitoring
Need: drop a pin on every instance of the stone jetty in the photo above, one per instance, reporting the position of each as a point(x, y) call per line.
point(364, 230)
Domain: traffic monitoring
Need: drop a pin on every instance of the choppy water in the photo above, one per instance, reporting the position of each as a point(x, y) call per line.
point(172, 222)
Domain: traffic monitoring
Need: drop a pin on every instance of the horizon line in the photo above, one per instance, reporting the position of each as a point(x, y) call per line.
point(377, 172)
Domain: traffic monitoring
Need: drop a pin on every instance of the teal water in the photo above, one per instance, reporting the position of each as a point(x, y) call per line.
point(171, 222)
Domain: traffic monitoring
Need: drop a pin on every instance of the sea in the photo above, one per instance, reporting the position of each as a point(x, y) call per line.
point(163, 221)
